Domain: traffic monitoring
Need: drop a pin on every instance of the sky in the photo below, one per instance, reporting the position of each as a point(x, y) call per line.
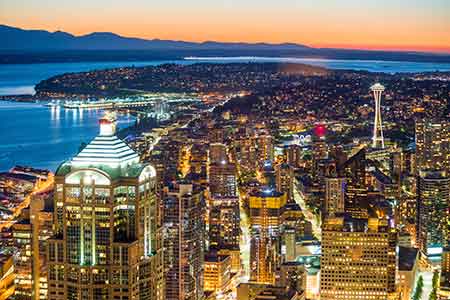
point(363, 24)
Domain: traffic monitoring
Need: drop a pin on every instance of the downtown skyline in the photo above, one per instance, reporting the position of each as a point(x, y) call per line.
point(225, 150)
point(374, 25)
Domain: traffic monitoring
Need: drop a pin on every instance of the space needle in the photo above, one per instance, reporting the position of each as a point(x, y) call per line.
point(377, 139)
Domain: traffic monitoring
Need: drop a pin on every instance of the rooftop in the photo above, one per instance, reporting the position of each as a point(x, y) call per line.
point(130, 171)
point(407, 258)
point(107, 150)
point(107, 153)
point(20, 176)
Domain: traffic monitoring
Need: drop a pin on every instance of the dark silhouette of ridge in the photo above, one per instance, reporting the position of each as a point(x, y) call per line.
point(31, 46)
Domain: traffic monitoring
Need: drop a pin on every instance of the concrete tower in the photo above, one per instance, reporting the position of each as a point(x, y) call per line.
point(377, 138)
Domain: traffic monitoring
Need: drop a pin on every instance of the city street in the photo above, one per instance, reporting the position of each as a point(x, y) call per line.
point(309, 215)
point(39, 188)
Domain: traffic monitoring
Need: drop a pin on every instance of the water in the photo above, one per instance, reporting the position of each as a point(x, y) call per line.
point(43, 137)
point(382, 66)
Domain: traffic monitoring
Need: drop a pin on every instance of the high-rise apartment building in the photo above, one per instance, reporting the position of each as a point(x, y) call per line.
point(358, 259)
point(184, 236)
point(432, 144)
point(107, 242)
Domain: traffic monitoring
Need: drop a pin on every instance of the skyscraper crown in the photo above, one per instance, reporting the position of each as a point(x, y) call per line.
point(106, 148)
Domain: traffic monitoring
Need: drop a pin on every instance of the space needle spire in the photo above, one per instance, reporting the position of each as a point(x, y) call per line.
point(377, 139)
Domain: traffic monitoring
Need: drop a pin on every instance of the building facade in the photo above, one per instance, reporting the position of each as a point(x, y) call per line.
point(107, 242)
point(184, 236)
point(266, 207)
point(334, 195)
point(358, 259)
point(433, 203)
point(432, 144)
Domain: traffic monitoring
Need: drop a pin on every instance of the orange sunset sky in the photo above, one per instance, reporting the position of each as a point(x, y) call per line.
point(365, 24)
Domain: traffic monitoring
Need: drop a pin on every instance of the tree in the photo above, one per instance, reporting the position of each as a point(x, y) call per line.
point(419, 289)
point(435, 281)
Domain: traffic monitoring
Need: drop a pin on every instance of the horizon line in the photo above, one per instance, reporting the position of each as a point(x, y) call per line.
point(437, 50)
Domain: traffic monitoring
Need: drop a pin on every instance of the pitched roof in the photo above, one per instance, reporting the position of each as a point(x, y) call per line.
point(108, 150)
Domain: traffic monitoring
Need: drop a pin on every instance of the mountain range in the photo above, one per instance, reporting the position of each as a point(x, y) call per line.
point(27, 46)
point(19, 39)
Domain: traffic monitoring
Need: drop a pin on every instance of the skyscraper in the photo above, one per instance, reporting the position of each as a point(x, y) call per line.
point(358, 259)
point(377, 139)
point(224, 222)
point(433, 204)
point(334, 195)
point(184, 236)
point(30, 238)
point(292, 229)
point(107, 242)
point(22, 237)
point(432, 144)
point(354, 170)
point(42, 229)
point(265, 218)
point(284, 174)
point(224, 217)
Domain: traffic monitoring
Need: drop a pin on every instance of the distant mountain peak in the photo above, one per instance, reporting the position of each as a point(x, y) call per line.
point(62, 33)
point(102, 34)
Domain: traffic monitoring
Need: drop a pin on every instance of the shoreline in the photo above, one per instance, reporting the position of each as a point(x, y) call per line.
point(387, 67)
point(18, 98)
point(19, 155)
